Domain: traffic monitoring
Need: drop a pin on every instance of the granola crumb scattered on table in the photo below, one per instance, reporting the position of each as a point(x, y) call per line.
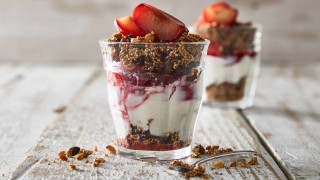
point(253, 161)
point(98, 161)
point(218, 165)
point(111, 149)
point(62, 156)
point(214, 150)
point(182, 164)
point(95, 148)
point(243, 164)
point(72, 151)
point(72, 167)
point(198, 151)
point(233, 164)
point(197, 171)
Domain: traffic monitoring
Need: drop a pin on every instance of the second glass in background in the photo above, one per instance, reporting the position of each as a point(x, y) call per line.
point(232, 64)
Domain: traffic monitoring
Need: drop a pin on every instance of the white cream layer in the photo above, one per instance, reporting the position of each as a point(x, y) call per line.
point(219, 70)
point(174, 115)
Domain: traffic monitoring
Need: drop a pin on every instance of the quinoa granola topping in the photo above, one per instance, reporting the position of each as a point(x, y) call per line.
point(150, 56)
point(229, 40)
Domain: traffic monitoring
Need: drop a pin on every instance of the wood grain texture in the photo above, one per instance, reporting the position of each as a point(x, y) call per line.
point(87, 123)
point(287, 116)
point(69, 30)
point(29, 95)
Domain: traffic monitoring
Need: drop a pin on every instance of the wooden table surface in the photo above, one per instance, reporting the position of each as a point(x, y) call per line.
point(283, 126)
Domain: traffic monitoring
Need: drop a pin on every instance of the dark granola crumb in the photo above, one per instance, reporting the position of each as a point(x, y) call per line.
point(111, 149)
point(188, 37)
point(214, 150)
point(233, 164)
point(116, 37)
point(182, 164)
point(73, 151)
point(253, 161)
point(194, 170)
point(198, 151)
point(98, 161)
point(60, 109)
point(243, 164)
point(62, 156)
point(197, 171)
point(72, 167)
point(81, 156)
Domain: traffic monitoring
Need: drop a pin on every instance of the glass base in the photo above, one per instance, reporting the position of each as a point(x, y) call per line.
point(240, 104)
point(155, 155)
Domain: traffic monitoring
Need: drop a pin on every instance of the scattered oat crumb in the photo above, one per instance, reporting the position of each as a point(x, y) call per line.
point(233, 164)
point(198, 151)
point(62, 156)
point(181, 164)
point(194, 171)
point(87, 161)
point(218, 165)
point(60, 109)
point(243, 164)
point(81, 156)
point(98, 161)
point(95, 148)
point(197, 171)
point(253, 161)
point(72, 167)
point(111, 149)
point(87, 152)
point(106, 155)
point(73, 151)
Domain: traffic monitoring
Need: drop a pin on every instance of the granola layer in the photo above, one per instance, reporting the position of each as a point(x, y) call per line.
point(229, 40)
point(226, 91)
point(147, 55)
point(141, 139)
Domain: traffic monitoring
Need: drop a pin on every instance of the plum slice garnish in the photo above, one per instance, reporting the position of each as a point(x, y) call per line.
point(166, 27)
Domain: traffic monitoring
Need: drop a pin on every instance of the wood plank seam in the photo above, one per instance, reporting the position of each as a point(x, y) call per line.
point(267, 146)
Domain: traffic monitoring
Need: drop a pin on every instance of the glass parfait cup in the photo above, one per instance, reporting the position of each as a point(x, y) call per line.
point(154, 94)
point(232, 64)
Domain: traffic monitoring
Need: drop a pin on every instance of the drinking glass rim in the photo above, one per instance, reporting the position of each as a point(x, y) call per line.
point(106, 42)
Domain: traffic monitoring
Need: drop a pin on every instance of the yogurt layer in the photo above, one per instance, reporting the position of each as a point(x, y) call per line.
point(161, 109)
point(219, 70)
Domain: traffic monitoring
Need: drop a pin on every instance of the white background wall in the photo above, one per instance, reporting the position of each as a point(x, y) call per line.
point(68, 30)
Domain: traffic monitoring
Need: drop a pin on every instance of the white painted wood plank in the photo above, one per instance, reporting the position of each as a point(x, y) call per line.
point(287, 115)
point(87, 123)
point(29, 94)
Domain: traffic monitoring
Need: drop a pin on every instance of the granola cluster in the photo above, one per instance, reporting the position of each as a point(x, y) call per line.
point(152, 56)
point(226, 91)
point(229, 40)
point(199, 171)
point(81, 154)
point(191, 170)
point(139, 138)
point(241, 163)
point(198, 151)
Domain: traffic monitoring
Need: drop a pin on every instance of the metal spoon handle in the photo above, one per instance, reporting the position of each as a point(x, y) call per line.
point(232, 153)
